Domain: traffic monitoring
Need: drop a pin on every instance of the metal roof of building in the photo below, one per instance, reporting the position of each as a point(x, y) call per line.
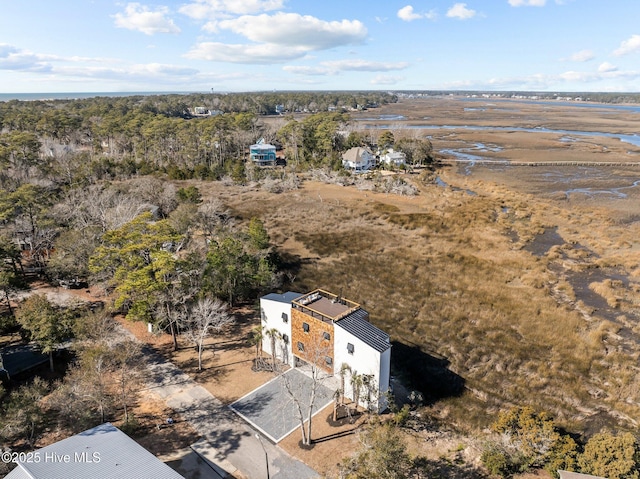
point(356, 324)
point(576, 475)
point(262, 146)
point(283, 298)
point(104, 452)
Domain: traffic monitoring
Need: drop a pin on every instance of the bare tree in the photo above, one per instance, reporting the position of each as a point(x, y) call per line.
point(317, 353)
point(206, 317)
point(213, 216)
point(125, 361)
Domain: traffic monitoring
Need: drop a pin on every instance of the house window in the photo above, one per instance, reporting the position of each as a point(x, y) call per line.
point(350, 348)
point(328, 360)
point(300, 346)
point(326, 336)
point(263, 316)
point(305, 327)
point(285, 318)
point(285, 339)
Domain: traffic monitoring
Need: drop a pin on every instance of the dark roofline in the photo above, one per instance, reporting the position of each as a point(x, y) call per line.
point(357, 325)
point(287, 297)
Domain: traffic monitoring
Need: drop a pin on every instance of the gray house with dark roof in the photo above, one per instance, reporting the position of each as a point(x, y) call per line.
point(104, 452)
point(329, 331)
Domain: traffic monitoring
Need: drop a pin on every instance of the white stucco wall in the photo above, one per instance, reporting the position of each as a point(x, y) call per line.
point(364, 360)
point(271, 315)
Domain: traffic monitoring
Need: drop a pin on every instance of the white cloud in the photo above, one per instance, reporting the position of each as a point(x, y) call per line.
point(575, 76)
point(162, 69)
point(309, 71)
point(608, 73)
point(365, 66)
point(632, 45)
point(264, 53)
point(527, 3)
point(407, 14)
point(461, 12)
point(14, 59)
point(582, 56)
point(386, 80)
point(291, 30)
point(58, 69)
point(607, 67)
point(335, 67)
point(211, 9)
point(6, 50)
point(295, 36)
point(139, 17)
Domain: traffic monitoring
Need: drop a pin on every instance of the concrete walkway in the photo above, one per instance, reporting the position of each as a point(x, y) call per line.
point(233, 446)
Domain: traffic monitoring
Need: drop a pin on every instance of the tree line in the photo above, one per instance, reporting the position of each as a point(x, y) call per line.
point(164, 255)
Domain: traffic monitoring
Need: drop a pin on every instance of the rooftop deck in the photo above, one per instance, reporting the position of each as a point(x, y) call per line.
point(324, 305)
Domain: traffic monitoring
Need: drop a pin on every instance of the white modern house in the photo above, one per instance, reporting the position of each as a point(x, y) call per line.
point(331, 332)
point(393, 158)
point(358, 159)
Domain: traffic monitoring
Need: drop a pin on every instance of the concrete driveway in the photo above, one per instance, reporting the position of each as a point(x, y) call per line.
point(271, 410)
point(230, 445)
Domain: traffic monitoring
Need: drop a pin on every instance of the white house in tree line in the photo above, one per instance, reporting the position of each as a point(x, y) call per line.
point(358, 159)
point(325, 329)
point(393, 158)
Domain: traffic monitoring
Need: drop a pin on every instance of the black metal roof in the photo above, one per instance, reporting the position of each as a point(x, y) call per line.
point(356, 323)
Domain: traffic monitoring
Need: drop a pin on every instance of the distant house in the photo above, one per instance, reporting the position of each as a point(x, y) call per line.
point(104, 452)
point(358, 159)
point(329, 331)
point(203, 111)
point(15, 360)
point(393, 158)
point(262, 154)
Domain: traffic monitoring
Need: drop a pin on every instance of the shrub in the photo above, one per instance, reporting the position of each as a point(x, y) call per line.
point(614, 457)
point(496, 460)
point(191, 194)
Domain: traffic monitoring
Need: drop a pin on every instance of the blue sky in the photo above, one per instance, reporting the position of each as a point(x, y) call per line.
point(247, 45)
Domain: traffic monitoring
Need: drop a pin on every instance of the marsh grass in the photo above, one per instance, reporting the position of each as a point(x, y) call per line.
point(440, 273)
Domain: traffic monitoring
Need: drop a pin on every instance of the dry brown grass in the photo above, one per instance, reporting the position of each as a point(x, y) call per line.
point(440, 272)
point(446, 272)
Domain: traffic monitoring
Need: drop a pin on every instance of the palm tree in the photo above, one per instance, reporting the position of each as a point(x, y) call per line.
point(356, 385)
point(344, 367)
point(273, 334)
point(256, 340)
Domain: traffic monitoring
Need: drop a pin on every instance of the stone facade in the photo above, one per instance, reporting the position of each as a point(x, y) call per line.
point(316, 348)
